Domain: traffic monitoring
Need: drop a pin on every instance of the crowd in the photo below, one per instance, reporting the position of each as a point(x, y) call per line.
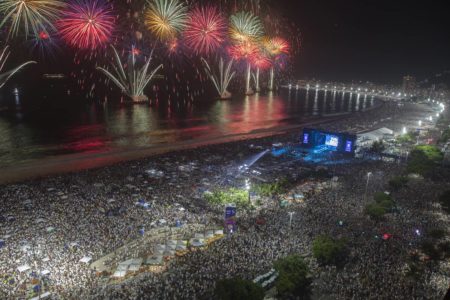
point(50, 224)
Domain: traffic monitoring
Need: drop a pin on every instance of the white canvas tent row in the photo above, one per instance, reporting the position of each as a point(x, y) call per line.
point(130, 265)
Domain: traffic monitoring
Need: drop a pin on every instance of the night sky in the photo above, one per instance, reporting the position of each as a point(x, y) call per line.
point(370, 40)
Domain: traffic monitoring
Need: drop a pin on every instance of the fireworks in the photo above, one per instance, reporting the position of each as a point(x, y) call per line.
point(276, 46)
point(205, 30)
point(44, 44)
point(260, 61)
point(245, 27)
point(165, 18)
point(132, 82)
point(33, 15)
point(86, 24)
point(221, 80)
point(246, 51)
point(5, 76)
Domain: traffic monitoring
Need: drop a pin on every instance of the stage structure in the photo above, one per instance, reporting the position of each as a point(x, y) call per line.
point(324, 141)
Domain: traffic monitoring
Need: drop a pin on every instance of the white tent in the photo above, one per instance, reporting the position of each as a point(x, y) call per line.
point(154, 260)
point(171, 242)
point(135, 264)
point(180, 247)
point(159, 251)
point(219, 232)
point(119, 274)
point(23, 268)
point(25, 248)
point(197, 242)
point(160, 247)
point(199, 236)
point(86, 259)
point(209, 234)
point(169, 252)
point(42, 296)
point(171, 247)
point(45, 272)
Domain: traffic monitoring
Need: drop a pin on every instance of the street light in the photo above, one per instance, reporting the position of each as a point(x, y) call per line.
point(247, 187)
point(420, 123)
point(367, 184)
point(404, 130)
point(291, 213)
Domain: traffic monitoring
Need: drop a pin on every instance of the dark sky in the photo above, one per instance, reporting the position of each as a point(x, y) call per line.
point(370, 40)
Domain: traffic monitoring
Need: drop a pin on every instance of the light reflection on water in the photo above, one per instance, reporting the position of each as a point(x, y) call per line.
point(102, 128)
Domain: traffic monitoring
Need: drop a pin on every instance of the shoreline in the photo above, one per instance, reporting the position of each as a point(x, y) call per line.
point(71, 163)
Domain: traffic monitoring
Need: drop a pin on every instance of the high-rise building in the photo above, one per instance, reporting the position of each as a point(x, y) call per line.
point(409, 84)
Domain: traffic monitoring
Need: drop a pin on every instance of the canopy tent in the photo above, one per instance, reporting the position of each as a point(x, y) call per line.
point(160, 247)
point(209, 234)
point(218, 232)
point(154, 260)
point(135, 264)
point(23, 268)
point(172, 242)
point(169, 252)
point(375, 135)
point(119, 274)
point(86, 259)
point(42, 296)
point(195, 242)
point(25, 248)
point(199, 235)
point(45, 272)
point(180, 247)
point(159, 251)
point(171, 247)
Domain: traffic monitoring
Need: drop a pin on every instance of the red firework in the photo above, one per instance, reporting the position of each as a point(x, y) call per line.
point(261, 61)
point(86, 24)
point(276, 46)
point(206, 30)
point(247, 51)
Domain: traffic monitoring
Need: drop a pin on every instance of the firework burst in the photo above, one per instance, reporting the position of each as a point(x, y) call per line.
point(132, 82)
point(244, 51)
point(205, 30)
point(222, 79)
point(261, 61)
point(5, 76)
point(245, 27)
point(165, 18)
point(44, 44)
point(31, 15)
point(86, 24)
point(276, 46)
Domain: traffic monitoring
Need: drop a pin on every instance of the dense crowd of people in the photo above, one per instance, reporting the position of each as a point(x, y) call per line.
point(50, 224)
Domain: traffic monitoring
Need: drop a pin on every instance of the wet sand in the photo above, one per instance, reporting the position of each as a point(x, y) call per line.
point(78, 162)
